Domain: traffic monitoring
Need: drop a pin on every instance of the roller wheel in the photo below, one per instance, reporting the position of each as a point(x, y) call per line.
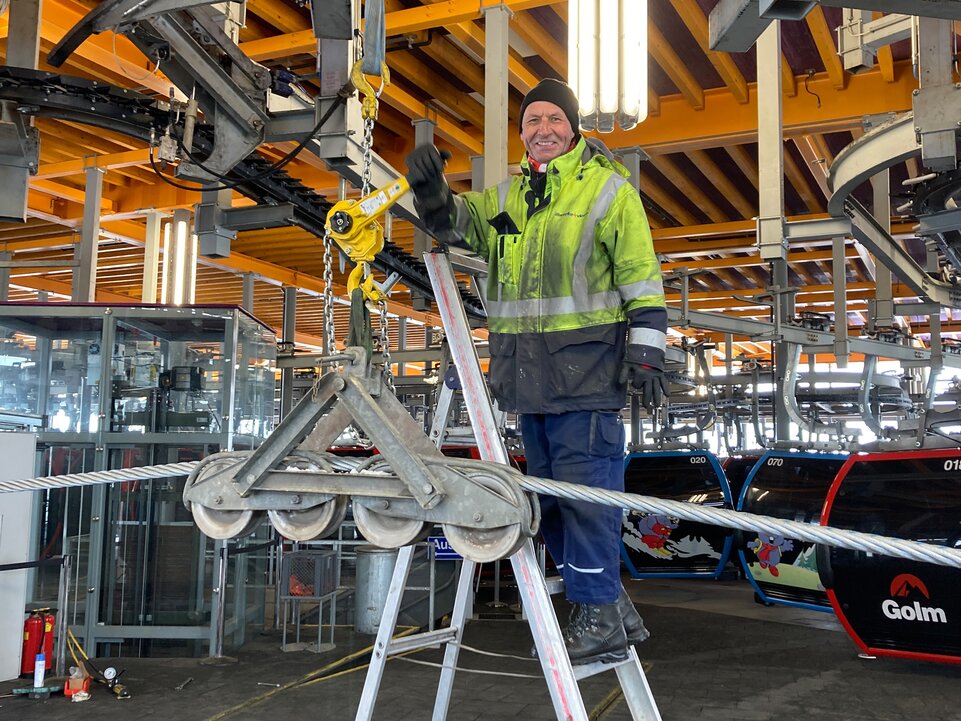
point(388, 531)
point(483, 545)
point(222, 525)
point(310, 523)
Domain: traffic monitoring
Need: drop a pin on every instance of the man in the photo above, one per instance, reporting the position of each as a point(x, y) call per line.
point(576, 315)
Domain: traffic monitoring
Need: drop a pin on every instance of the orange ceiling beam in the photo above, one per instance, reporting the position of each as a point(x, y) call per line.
point(112, 161)
point(399, 22)
point(724, 121)
point(696, 21)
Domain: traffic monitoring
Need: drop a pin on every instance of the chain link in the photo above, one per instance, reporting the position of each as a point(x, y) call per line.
point(330, 340)
point(385, 345)
point(368, 149)
point(384, 337)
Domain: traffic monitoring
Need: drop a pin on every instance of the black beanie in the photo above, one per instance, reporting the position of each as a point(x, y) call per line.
point(557, 92)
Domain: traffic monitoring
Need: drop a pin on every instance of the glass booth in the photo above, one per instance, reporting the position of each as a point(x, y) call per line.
point(111, 386)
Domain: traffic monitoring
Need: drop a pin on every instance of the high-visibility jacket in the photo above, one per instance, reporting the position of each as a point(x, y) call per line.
point(565, 279)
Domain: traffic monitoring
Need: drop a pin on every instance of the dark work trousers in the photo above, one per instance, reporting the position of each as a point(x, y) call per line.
point(587, 448)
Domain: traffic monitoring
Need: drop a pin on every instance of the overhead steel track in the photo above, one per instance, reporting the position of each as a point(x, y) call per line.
point(63, 97)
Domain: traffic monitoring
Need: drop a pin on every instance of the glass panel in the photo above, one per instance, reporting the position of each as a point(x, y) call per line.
point(167, 379)
point(75, 368)
point(153, 549)
point(64, 527)
point(19, 372)
point(254, 397)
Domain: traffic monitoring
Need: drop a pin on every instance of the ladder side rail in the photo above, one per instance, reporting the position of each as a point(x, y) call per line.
point(388, 622)
point(561, 682)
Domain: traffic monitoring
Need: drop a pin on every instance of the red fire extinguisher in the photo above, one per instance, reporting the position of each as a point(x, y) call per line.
point(37, 638)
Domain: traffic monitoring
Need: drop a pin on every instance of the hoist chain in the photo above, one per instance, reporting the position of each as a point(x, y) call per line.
point(385, 344)
point(384, 338)
point(330, 339)
point(368, 149)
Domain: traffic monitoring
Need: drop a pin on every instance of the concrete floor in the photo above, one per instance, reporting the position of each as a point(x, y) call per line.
point(714, 654)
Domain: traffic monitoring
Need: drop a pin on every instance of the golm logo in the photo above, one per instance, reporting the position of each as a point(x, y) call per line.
point(902, 587)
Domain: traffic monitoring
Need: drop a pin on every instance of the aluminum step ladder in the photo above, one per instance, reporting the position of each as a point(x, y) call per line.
point(560, 675)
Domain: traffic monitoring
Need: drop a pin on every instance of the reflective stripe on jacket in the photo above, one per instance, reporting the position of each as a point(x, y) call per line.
point(563, 280)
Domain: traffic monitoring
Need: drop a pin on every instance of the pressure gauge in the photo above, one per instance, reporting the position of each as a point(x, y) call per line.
point(110, 673)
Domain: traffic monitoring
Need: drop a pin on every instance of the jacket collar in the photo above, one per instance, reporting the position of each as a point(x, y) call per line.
point(584, 152)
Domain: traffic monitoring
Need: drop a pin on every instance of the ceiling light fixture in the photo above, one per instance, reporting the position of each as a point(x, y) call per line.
point(607, 62)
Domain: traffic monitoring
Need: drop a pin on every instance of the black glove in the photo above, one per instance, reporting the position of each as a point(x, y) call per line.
point(433, 199)
point(649, 383)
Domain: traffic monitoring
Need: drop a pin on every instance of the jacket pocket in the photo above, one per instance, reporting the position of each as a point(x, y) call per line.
point(582, 363)
point(502, 370)
point(508, 258)
point(607, 434)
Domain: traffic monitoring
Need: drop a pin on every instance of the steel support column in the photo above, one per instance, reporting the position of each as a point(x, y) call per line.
point(839, 272)
point(151, 257)
point(770, 146)
point(771, 239)
point(882, 309)
point(19, 140)
point(289, 333)
point(248, 293)
point(423, 135)
point(937, 102)
point(84, 287)
point(5, 257)
point(496, 19)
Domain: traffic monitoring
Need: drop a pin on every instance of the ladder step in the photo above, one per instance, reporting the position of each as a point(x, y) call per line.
point(422, 640)
point(592, 669)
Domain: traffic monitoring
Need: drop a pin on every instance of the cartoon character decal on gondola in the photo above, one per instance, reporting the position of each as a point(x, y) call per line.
point(768, 548)
point(651, 535)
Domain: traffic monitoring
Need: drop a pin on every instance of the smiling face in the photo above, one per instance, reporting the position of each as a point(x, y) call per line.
point(546, 131)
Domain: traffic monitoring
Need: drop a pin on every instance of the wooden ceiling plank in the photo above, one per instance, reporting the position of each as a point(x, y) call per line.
point(533, 34)
point(822, 149)
point(696, 21)
point(134, 233)
point(794, 175)
point(281, 15)
point(666, 201)
point(817, 165)
point(449, 55)
point(414, 71)
point(745, 163)
point(59, 190)
point(518, 74)
point(110, 161)
point(788, 79)
point(886, 62)
point(674, 67)
point(710, 170)
point(106, 51)
point(449, 12)
point(679, 127)
point(688, 188)
point(261, 50)
point(824, 40)
point(446, 128)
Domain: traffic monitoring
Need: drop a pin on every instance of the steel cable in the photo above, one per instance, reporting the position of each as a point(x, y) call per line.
point(811, 533)
point(853, 540)
point(94, 478)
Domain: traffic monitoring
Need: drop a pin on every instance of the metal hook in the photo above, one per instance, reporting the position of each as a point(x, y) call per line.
point(371, 96)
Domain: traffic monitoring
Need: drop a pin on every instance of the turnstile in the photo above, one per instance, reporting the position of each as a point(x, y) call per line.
point(790, 485)
point(656, 544)
point(889, 606)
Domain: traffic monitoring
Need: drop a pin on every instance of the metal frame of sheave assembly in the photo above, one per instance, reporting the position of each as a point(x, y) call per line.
point(560, 675)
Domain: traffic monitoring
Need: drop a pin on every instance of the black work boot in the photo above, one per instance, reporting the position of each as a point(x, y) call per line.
point(633, 623)
point(595, 633)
